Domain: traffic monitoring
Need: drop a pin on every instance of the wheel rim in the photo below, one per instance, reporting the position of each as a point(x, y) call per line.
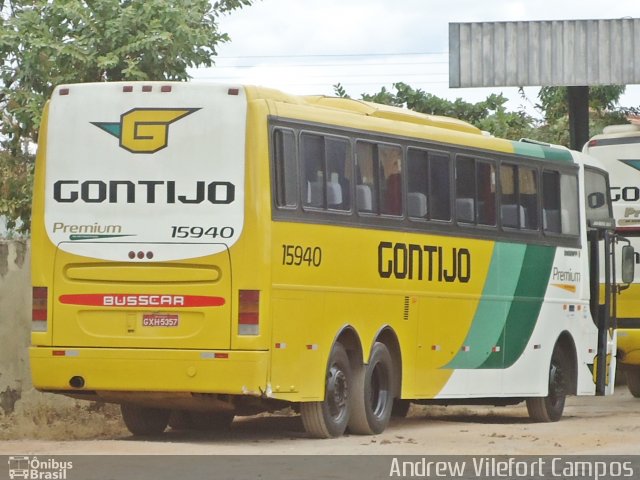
point(379, 395)
point(337, 392)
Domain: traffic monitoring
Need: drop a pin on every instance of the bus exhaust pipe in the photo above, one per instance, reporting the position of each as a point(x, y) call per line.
point(76, 382)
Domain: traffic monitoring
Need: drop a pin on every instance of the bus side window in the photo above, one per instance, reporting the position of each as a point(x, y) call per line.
point(286, 168)
point(465, 190)
point(366, 179)
point(338, 157)
point(390, 179)
point(528, 188)
point(326, 171)
point(518, 197)
point(551, 202)
point(378, 178)
point(486, 190)
point(509, 211)
point(569, 213)
point(439, 186)
point(475, 191)
point(313, 170)
point(418, 186)
point(560, 203)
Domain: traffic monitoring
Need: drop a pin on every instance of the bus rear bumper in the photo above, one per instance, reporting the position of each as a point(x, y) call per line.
point(149, 370)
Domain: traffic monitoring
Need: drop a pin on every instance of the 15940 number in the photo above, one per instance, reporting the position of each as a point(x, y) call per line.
point(298, 255)
point(201, 232)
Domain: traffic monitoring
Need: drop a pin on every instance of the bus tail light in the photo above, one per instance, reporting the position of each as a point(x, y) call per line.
point(39, 309)
point(249, 312)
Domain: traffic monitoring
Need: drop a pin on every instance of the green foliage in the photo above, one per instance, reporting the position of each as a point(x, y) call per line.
point(16, 178)
point(46, 43)
point(491, 114)
point(340, 91)
point(555, 105)
point(43, 44)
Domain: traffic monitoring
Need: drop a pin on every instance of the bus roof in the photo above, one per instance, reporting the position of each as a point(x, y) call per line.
point(364, 108)
point(393, 113)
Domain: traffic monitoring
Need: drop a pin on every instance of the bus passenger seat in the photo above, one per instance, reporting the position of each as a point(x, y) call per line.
point(465, 210)
point(417, 204)
point(509, 215)
point(363, 198)
point(551, 220)
point(334, 194)
point(314, 194)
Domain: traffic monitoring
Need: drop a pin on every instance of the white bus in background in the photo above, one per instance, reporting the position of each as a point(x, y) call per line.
point(618, 148)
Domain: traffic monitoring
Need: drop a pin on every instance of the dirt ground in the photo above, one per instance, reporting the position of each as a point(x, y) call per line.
point(591, 425)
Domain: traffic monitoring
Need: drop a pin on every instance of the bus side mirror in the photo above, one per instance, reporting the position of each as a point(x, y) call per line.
point(628, 264)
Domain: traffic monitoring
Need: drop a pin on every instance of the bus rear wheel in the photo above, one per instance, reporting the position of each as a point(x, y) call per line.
point(372, 399)
point(144, 420)
point(329, 417)
point(633, 381)
point(550, 408)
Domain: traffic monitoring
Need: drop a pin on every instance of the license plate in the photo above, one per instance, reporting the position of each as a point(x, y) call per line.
point(160, 320)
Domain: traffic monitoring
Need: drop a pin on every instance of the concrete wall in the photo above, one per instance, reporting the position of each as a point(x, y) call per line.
point(15, 322)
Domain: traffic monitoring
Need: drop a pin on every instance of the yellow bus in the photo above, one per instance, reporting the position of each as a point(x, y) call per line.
point(202, 251)
point(618, 148)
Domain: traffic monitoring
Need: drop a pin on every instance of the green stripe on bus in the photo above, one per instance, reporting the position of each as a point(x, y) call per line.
point(529, 149)
point(558, 155)
point(525, 308)
point(540, 151)
point(493, 309)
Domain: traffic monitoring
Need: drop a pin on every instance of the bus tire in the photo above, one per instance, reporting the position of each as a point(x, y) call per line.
point(372, 399)
point(550, 408)
point(144, 420)
point(329, 418)
point(633, 380)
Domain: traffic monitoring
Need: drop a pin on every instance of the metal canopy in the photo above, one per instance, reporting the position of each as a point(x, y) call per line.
point(544, 53)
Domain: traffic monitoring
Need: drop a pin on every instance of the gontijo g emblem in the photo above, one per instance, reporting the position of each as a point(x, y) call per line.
point(144, 130)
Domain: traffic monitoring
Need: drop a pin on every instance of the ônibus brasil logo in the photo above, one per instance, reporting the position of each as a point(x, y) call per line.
point(144, 130)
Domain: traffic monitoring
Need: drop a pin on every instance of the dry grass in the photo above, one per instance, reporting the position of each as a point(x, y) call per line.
point(68, 421)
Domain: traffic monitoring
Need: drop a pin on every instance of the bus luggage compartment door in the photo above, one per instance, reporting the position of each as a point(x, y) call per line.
point(142, 304)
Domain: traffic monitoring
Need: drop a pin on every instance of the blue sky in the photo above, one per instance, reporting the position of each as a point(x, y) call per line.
point(306, 46)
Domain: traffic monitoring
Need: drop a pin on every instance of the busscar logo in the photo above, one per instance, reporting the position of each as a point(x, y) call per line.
point(144, 130)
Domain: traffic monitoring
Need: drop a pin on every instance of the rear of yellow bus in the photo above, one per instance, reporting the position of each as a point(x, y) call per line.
point(138, 215)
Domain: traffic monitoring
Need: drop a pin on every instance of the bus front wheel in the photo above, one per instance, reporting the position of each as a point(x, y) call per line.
point(633, 381)
point(329, 417)
point(550, 408)
point(372, 399)
point(144, 420)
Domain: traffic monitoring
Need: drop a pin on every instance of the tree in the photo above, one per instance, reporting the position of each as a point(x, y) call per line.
point(554, 106)
point(44, 43)
point(491, 114)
